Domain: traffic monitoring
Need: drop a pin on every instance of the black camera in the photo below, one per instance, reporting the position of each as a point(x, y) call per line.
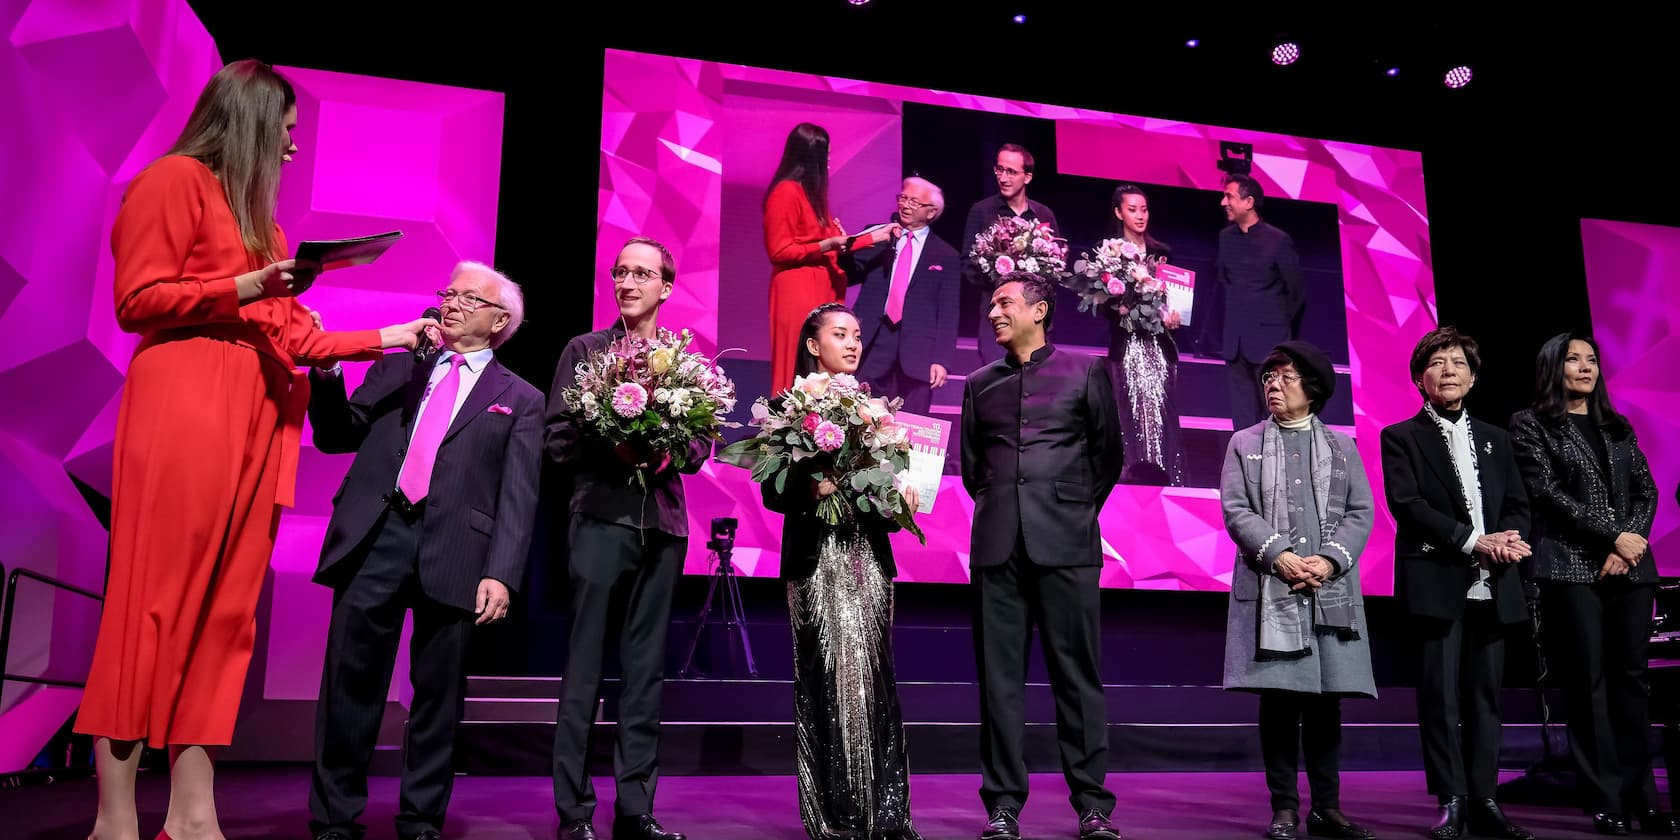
point(723, 534)
point(1236, 158)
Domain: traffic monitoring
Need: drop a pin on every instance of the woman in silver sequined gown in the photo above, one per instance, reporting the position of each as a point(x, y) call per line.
point(854, 782)
point(1145, 367)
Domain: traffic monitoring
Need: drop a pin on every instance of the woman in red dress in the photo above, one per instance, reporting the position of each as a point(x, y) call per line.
point(206, 442)
point(804, 244)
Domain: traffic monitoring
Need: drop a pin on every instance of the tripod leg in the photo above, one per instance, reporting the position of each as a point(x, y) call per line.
point(739, 609)
point(699, 627)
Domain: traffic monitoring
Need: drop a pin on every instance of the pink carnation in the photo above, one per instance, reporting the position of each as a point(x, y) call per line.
point(829, 437)
point(811, 422)
point(1005, 265)
point(1112, 284)
point(629, 399)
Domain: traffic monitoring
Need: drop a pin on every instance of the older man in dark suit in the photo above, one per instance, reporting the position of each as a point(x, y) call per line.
point(908, 305)
point(1041, 449)
point(435, 517)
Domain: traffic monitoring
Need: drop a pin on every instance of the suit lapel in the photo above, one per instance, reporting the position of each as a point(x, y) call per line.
point(490, 385)
point(1433, 445)
point(1584, 448)
point(1493, 480)
point(416, 389)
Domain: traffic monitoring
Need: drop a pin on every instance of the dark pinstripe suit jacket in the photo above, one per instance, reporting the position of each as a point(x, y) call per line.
point(483, 498)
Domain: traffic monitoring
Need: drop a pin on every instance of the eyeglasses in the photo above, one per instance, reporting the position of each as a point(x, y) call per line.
point(639, 276)
point(912, 203)
point(1271, 376)
point(467, 301)
point(1004, 170)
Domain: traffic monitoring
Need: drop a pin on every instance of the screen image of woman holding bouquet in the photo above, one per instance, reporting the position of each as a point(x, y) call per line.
point(838, 564)
point(1142, 353)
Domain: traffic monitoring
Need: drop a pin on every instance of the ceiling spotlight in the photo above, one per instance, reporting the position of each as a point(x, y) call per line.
point(858, 2)
point(1192, 43)
point(1392, 72)
point(1458, 76)
point(1019, 18)
point(1286, 53)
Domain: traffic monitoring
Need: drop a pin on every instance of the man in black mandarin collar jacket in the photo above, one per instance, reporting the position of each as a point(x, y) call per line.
point(1041, 449)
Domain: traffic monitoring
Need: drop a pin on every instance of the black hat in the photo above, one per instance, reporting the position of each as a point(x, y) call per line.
point(1313, 364)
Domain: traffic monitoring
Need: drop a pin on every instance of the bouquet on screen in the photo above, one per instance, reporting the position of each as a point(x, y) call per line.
point(1017, 244)
point(833, 418)
point(653, 395)
point(1120, 276)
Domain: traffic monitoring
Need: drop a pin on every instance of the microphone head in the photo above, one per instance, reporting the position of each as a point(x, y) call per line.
point(433, 313)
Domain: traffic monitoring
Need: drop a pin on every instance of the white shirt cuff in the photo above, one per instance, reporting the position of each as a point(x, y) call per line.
point(1470, 544)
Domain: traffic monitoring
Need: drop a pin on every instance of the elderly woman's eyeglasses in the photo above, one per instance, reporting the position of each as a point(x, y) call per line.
point(1271, 376)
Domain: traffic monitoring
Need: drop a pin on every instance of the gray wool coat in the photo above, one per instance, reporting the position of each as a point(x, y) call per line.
point(1335, 666)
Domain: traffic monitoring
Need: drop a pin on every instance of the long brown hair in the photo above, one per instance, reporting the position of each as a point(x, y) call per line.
point(237, 129)
point(805, 162)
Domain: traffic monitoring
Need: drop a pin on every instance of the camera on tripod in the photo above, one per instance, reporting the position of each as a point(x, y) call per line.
point(723, 534)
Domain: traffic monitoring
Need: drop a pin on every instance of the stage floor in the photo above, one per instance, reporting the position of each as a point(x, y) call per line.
point(265, 802)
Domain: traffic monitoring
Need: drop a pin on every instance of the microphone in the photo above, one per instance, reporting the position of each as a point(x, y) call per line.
point(423, 345)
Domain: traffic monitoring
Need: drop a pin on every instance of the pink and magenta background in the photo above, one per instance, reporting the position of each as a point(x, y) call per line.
point(97, 89)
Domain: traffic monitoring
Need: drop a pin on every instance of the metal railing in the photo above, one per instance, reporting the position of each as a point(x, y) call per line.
point(6, 624)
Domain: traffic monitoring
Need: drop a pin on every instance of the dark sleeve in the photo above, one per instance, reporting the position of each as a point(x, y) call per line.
point(1049, 217)
point(516, 503)
point(339, 422)
point(1108, 453)
point(1545, 485)
point(856, 264)
point(563, 438)
point(969, 441)
point(796, 497)
point(1410, 510)
point(945, 315)
point(1513, 509)
point(1289, 271)
point(972, 227)
point(698, 452)
point(1642, 492)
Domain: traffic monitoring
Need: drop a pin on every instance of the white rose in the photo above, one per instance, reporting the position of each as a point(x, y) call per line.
point(1028, 264)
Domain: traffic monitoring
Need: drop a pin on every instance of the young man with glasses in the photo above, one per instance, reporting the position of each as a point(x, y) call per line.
point(1014, 171)
point(435, 517)
point(627, 547)
point(908, 305)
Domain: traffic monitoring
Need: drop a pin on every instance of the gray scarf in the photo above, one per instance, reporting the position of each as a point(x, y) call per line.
point(1282, 633)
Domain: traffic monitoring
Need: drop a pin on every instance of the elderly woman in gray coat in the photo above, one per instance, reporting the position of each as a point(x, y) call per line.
point(1299, 509)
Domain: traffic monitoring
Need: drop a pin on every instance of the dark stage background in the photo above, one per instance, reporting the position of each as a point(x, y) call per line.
point(1555, 127)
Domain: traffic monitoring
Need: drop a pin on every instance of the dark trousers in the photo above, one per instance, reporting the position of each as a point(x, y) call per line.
point(1064, 603)
point(1597, 635)
point(896, 382)
point(362, 642)
point(1293, 724)
point(615, 567)
point(1463, 667)
point(1242, 378)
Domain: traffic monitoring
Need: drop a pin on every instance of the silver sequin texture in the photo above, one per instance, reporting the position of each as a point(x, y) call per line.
point(1146, 373)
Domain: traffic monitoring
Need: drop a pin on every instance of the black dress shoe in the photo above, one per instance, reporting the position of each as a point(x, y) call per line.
point(1615, 825)
point(1283, 826)
point(1094, 825)
point(1487, 820)
point(428, 834)
point(1005, 824)
point(1450, 825)
point(643, 827)
point(1657, 822)
point(577, 830)
point(1319, 825)
point(334, 834)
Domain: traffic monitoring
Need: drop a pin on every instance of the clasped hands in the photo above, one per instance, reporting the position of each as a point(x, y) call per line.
point(827, 487)
point(1303, 572)
point(1502, 547)
point(1629, 549)
point(642, 457)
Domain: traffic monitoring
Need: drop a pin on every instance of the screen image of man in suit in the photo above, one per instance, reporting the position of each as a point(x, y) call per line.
point(1461, 519)
point(435, 516)
point(908, 305)
point(1258, 273)
point(626, 551)
point(1041, 450)
point(1013, 169)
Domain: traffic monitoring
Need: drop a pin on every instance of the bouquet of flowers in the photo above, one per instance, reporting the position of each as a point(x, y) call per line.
point(1121, 276)
point(1016, 244)
point(653, 395)
point(834, 418)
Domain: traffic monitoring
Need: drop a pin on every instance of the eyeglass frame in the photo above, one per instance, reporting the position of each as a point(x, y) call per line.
point(466, 300)
point(913, 203)
point(1004, 170)
point(1268, 377)
point(643, 276)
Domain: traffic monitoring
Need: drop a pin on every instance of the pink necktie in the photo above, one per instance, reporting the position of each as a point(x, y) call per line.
point(901, 279)
point(415, 480)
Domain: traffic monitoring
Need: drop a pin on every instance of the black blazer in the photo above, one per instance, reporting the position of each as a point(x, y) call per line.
point(1579, 509)
point(984, 214)
point(483, 498)
point(1432, 572)
point(1041, 450)
point(928, 332)
point(802, 531)
point(602, 485)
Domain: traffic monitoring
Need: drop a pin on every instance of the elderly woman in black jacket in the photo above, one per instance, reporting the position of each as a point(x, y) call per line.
point(1593, 500)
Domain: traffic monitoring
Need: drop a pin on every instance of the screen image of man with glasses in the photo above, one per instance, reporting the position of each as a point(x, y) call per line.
point(1014, 171)
point(907, 308)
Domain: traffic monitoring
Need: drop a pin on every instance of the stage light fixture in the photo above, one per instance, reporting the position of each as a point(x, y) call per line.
point(1286, 53)
point(1392, 72)
point(1193, 43)
point(1019, 18)
point(858, 2)
point(1458, 76)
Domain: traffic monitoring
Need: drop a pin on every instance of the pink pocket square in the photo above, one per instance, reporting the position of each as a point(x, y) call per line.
point(498, 408)
point(936, 267)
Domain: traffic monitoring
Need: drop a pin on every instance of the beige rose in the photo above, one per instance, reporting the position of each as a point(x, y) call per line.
point(660, 360)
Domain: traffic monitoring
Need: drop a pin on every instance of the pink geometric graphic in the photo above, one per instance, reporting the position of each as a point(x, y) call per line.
point(676, 133)
point(93, 92)
point(1633, 288)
